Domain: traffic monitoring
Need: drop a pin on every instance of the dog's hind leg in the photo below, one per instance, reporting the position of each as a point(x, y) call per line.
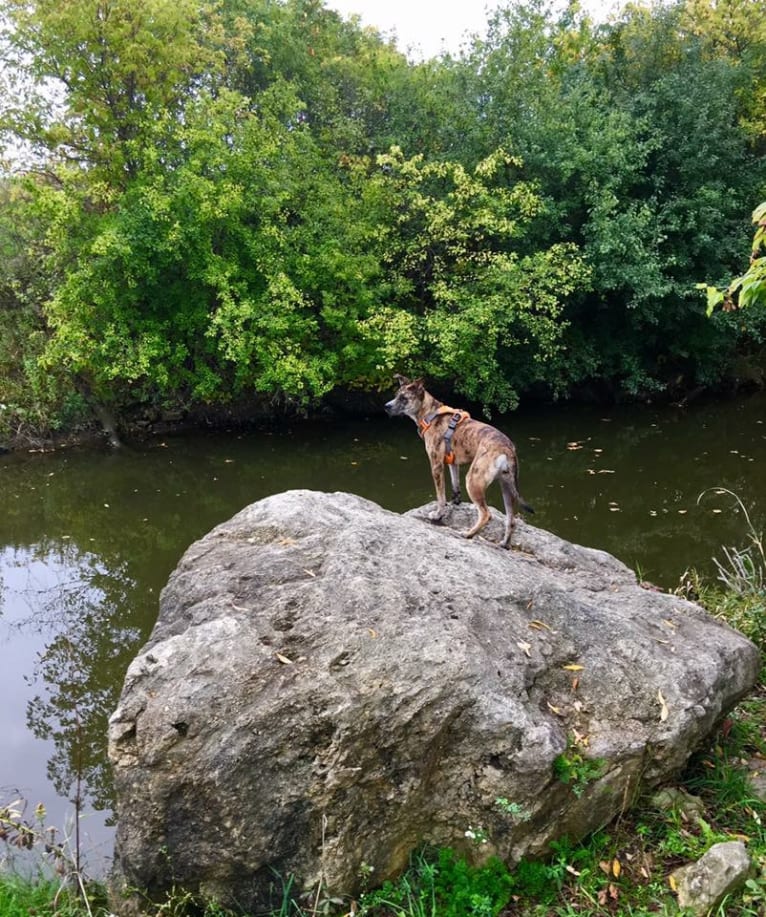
point(510, 501)
point(476, 482)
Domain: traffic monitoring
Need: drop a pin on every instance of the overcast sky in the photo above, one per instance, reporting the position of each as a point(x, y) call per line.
point(431, 26)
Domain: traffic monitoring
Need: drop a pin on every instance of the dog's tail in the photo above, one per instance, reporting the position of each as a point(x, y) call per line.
point(509, 469)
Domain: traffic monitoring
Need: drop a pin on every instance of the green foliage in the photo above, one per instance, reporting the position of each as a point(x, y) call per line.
point(575, 769)
point(257, 197)
point(750, 288)
point(441, 883)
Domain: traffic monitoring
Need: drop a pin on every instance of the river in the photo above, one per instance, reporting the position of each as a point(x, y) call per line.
point(88, 538)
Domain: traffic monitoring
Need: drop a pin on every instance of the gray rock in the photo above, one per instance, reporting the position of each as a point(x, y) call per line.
point(703, 885)
point(756, 777)
point(679, 802)
point(329, 685)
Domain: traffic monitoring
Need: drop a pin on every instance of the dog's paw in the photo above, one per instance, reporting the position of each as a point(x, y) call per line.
point(436, 517)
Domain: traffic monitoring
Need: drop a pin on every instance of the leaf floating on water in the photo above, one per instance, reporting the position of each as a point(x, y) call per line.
point(283, 659)
point(574, 446)
point(606, 471)
point(664, 712)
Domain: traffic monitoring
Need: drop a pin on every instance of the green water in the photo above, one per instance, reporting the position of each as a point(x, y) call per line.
point(89, 537)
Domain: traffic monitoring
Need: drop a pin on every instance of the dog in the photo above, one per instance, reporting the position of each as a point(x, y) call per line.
point(453, 438)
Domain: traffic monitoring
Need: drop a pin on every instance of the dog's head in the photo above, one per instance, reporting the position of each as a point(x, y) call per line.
point(409, 398)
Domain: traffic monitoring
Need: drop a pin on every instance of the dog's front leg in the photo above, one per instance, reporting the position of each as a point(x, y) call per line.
point(454, 473)
point(437, 472)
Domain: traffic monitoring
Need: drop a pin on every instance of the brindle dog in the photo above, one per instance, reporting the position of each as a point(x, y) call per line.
point(451, 437)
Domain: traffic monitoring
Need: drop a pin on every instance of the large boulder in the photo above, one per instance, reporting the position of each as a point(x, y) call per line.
point(330, 685)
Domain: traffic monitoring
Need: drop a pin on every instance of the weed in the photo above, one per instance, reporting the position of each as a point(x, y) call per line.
point(743, 570)
point(513, 810)
point(573, 768)
point(441, 884)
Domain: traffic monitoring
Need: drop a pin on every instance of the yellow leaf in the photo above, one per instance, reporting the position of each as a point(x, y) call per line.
point(672, 883)
point(616, 868)
point(664, 712)
point(573, 668)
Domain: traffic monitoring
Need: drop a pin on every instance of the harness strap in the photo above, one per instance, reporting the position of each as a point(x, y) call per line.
point(449, 455)
point(457, 417)
point(426, 422)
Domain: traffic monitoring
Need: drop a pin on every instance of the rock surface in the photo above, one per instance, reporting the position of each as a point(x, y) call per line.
point(330, 685)
point(703, 885)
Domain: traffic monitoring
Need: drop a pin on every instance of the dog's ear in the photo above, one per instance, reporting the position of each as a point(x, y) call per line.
point(402, 380)
point(419, 384)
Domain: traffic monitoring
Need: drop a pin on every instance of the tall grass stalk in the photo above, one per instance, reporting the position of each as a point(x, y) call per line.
point(743, 570)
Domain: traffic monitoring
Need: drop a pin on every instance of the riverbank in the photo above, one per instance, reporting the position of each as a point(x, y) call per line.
point(141, 423)
point(626, 868)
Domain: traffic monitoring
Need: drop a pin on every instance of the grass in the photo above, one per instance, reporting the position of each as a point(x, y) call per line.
point(621, 870)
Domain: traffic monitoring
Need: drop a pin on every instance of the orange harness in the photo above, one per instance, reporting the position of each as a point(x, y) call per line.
point(457, 417)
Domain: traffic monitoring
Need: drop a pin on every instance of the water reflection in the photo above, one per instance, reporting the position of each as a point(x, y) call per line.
point(88, 539)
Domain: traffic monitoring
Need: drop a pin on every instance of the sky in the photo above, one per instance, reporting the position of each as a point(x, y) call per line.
point(427, 27)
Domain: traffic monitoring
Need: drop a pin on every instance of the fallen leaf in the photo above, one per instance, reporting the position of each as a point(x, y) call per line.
point(309, 572)
point(573, 667)
point(614, 892)
point(526, 647)
point(572, 871)
point(664, 712)
point(538, 625)
point(575, 683)
point(373, 633)
point(605, 867)
point(672, 882)
point(283, 659)
point(616, 868)
point(557, 710)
